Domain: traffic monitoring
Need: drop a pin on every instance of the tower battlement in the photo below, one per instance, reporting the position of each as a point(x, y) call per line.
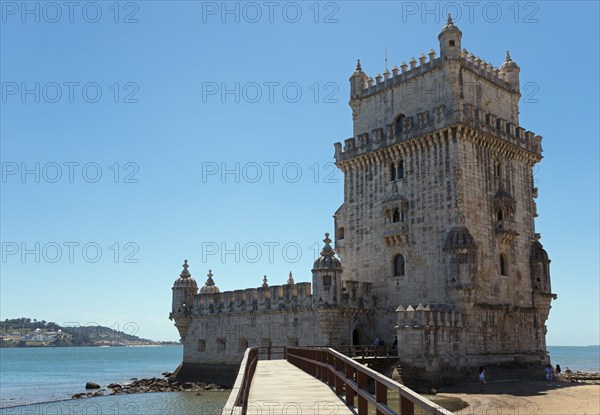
point(406, 73)
point(423, 128)
point(431, 94)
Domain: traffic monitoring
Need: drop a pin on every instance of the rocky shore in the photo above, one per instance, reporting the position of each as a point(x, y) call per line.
point(146, 386)
point(580, 377)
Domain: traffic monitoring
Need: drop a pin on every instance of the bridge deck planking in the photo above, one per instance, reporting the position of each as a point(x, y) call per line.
point(280, 387)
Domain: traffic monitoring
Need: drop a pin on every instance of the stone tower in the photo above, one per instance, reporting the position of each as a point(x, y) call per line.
point(439, 209)
point(184, 292)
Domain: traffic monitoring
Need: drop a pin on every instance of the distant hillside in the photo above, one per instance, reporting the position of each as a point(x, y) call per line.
point(25, 332)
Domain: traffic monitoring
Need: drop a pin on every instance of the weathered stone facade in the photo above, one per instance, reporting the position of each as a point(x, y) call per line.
point(436, 233)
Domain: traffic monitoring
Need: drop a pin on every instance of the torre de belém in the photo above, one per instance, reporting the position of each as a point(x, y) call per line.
point(435, 240)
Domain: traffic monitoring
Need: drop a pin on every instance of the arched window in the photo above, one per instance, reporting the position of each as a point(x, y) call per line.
point(392, 172)
point(503, 264)
point(400, 169)
point(399, 266)
point(396, 215)
point(500, 215)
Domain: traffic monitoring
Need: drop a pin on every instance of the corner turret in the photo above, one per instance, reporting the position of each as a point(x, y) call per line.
point(358, 81)
point(449, 39)
point(209, 285)
point(511, 71)
point(184, 292)
point(327, 276)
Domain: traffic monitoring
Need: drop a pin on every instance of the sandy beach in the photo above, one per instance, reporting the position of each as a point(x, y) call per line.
point(528, 398)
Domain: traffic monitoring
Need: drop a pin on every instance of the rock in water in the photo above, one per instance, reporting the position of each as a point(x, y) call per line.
point(92, 385)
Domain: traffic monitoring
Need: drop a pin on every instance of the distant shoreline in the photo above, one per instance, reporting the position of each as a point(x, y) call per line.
point(63, 346)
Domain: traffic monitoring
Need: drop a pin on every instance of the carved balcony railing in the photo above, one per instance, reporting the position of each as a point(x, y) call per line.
point(395, 233)
point(506, 230)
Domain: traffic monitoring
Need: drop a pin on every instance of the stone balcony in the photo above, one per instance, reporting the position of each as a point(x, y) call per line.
point(505, 230)
point(395, 233)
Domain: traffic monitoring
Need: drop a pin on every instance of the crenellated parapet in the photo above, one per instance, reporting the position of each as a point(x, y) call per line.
point(328, 290)
point(278, 298)
point(261, 299)
point(409, 127)
point(427, 123)
point(371, 86)
point(357, 294)
point(365, 86)
point(503, 129)
point(438, 315)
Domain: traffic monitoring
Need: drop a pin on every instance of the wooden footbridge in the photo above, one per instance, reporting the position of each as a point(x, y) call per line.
point(319, 381)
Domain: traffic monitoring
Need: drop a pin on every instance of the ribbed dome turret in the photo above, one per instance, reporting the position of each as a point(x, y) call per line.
point(209, 285)
point(450, 27)
point(450, 44)
point(327, 260)
point(459, 237)
point(508, 62)
point(185, 278)
point(538, 253)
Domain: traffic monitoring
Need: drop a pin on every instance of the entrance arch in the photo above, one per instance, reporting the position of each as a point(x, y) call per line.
point(359, 336)
point(355, 337)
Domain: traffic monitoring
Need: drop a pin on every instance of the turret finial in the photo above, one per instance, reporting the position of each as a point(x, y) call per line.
point(209, 281)
point(290, 280)
point(265, 283)
point(449, 21)
point(327, 250)
point(508, 59)
point(358, 66)
point(185, 273)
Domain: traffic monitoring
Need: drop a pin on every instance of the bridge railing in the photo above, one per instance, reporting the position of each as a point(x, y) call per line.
point(351, 379)
point(370, 351)
point(272, 352)
point(238, 398)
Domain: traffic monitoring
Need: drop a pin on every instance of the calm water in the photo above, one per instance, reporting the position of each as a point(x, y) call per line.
point(41, 375)
point(37, 375)
point(584, 359)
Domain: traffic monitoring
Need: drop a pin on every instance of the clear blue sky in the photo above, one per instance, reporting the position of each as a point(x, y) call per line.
point(166, 64)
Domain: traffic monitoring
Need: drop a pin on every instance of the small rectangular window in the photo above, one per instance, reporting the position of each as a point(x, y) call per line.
point(201, 345)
